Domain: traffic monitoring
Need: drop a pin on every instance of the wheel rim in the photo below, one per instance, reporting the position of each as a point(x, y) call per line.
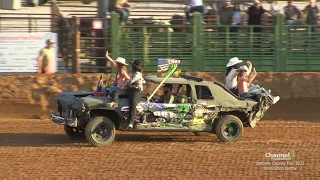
point(230, 129)
point(101, 132)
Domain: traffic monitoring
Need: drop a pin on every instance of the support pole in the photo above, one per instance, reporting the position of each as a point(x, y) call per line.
point(102, 7)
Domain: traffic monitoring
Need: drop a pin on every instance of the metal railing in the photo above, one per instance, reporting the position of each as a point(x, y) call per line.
point(204, 47)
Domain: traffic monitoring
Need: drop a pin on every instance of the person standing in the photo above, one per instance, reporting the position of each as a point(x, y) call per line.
point(312, 12)
point(238, 18)
point(255, 13)
point(46, 59)
point(225, 16)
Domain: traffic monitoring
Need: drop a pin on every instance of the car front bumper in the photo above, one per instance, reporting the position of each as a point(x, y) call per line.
point(73, 122)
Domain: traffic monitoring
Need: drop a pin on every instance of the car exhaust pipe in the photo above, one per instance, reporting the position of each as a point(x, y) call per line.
point(73, 122)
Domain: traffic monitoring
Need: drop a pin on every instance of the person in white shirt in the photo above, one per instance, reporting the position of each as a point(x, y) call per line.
point(232, 73)
point(231, 76)
point(192, 6)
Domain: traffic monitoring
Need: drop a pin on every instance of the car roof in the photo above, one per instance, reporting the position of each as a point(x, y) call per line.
point(172, 80)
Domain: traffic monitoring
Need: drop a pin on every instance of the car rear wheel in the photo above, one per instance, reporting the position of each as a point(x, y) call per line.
point(73, 133)
point(100, 131)
point(229, 128)
point(201, 133)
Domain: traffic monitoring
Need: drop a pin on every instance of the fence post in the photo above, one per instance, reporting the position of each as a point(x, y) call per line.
point(76, 45)
point(197, 31)
point(145, 46)
point(279, 57)
point(115, 36)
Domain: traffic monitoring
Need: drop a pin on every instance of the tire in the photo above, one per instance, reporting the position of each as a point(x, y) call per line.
point(233, 133)
point(73, 133)
point(97, 138)
point(201, 133)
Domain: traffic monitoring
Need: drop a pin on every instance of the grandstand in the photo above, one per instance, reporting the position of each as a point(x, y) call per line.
point(161, 11)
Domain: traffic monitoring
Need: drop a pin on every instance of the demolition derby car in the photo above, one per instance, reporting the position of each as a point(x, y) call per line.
point(198, 106)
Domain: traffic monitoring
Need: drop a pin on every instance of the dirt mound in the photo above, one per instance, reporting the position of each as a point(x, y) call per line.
point(29, 95)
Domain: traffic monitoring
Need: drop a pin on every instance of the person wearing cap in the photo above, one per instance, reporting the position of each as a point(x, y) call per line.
point(122, 76)
point(134, 90)
point(312, 12)
point(231, 75)
point(244, 81)
point(45, 59)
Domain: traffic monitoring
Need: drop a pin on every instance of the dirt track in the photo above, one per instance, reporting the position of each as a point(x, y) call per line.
point(33, 148)
point(37, 149)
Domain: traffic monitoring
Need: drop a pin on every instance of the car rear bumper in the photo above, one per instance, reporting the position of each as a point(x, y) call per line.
point(73, 122)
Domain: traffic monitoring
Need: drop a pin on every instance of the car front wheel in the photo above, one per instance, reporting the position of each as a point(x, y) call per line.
point(229, 128)
point(100, 131)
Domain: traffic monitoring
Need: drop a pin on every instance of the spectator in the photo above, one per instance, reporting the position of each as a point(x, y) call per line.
point(292, 14)
point(192, 6)
point(45, 59)
point(121, 7)
point(273, 7)
point(255, 13)
point(225, 15)
point(312, 14)
point(237, 18)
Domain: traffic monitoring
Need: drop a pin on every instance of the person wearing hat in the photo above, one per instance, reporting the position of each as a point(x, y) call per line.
point(134, 89)
point(244, 82)
point(231, 76)
point(45, 59)
point(122, 76)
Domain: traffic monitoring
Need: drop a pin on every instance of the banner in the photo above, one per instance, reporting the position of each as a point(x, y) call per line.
point(19, 52)
point(165, 64)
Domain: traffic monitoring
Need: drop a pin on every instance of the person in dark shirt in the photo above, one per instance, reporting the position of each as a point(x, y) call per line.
point(292, 14)
point(255, 13)
point(312, 11)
